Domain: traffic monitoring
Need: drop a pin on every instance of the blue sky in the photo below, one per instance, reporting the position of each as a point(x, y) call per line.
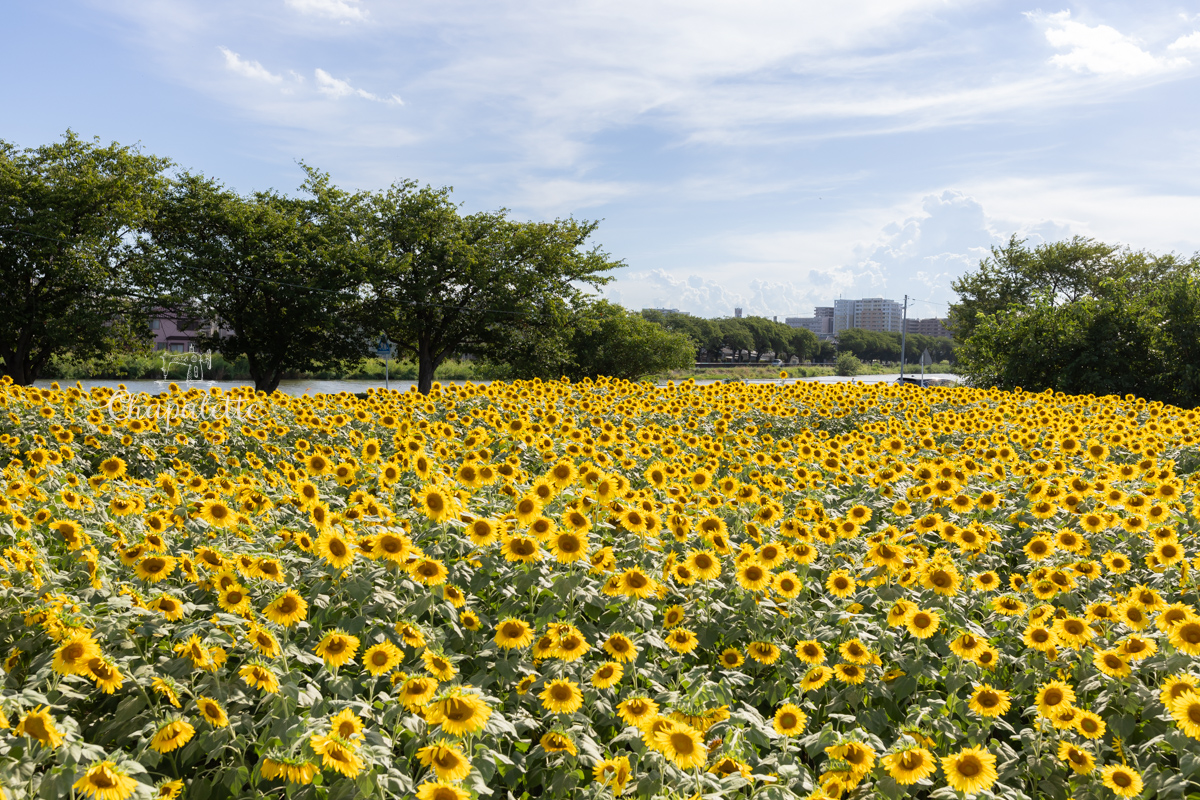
point(769, 155)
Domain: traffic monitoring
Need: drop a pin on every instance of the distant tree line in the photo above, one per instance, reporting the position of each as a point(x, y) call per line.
point(885, 346)
point(757, 334)
point(1080, 316)
point(95, 239)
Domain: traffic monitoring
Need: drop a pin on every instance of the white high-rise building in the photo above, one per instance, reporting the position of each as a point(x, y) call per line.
point(869, 313)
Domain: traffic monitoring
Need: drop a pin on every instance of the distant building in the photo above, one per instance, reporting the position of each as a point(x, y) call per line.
point(737, 313)
point(927, 327)
point(666, 311)
point(821, 323)
point(869, 313)
point(174, 333)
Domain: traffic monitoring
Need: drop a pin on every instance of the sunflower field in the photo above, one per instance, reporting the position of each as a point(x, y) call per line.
point(598, 589)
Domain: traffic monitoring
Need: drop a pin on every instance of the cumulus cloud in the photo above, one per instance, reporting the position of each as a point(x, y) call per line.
point(1189, 42)
point(1100, 49)
point(336, 88)
point(918, 255)
point(248, 69)
point(346, 10)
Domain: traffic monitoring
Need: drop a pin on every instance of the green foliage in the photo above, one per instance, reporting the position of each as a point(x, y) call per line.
point(848, 365)
point(746, 333)
point(281, 274)
point(885, 345)
point(70, 215)
point(599, 338)
point(442, 283)
point(1082, 317)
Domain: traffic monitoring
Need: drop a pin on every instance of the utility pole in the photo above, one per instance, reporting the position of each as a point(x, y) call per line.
point(903, 332)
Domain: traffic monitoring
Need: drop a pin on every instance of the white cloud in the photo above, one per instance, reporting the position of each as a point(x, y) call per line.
point(1189, 42)
point(336, 88)
point(346, 10)
point(248, 69)
point(1100, 49)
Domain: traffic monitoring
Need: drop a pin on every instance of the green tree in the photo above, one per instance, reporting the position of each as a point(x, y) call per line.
point(848, 365)
point(612, 341)
point(1083, 317)
point(280, 276)
point(443, 284)
point(70, 216)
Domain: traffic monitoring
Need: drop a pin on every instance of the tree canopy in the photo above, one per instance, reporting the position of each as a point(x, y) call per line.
point(444, 283)
point(1082, 317)
point(281, 276)
point(739, 333)
point(71, 214)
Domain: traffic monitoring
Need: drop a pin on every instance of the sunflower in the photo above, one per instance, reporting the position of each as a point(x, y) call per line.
point(38, 724)
point(568, 546)
point(636, 583)
point(682, 745)
point(264, 642)
point(381, 658)
point(286, 609)
point(337, 754)
point(790, 720)
point(1089, 725)
point(211, 710)
point(521, 549)
point(441, 791)
point(335, 548)
point(459, 713)
point(910, 765)
point(1123, 781)
point(1186, 712)
point(172, 736)
point(217, 514)
point(989, 701)
point(1073, 632)
point(234, 599)
point(971, 770)
point(1177, 686)
point(73, 655)
point(1111, 663)
point(429, 572)
point(513, 633)
point(106, 781)
point(447, 761)
point(731, 658)
point(260, 676)
point(438, 665)
point(815, 678)
point(417, 692)
point(558, 742)
point(637, 711)
point(155, 568)
point(607, 675)
point(345, 725)
point(1186, 637)
point(682, 640)
point(337, 648)
point(1078, 759)
point(294, 770)
point(923, 623)
point(436, 503)
point(621, 648)
point(106, 674)
point(112, 468)
point(840, 584)
point(1053, 696)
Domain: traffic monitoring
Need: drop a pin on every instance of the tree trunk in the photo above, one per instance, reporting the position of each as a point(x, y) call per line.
point(425, 367)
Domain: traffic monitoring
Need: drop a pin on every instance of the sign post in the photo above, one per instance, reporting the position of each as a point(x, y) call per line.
point(926, 360)
point(383, 349)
